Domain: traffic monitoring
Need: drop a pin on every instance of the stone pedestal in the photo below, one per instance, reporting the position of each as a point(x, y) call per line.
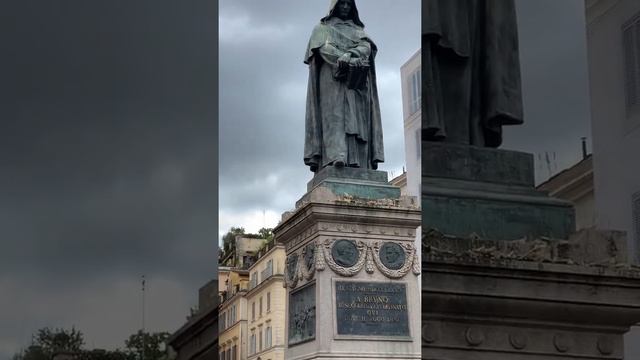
point(352, 269)
point(488, 193)
point(531, 300)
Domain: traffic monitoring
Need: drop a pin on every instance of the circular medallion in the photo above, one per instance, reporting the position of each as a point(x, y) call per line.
point(605, 345)
point(392, 255)
point(562, 342)
point(345, 253)
point(474, 336)
point(518, 340)
point(430, 333)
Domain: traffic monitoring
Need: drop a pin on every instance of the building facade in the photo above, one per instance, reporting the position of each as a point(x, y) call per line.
point(411, 75)
point(252, 312)
point(613, 46)
point(197, 339)
point(575, 184)
point(266, 305)
point(232, 341)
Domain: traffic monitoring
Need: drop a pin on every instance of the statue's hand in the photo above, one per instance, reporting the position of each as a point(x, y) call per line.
point(356, 62)
point(344, 59)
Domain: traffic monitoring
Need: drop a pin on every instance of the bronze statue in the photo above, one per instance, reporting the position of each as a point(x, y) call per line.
point(342, 126)
point(471, 71)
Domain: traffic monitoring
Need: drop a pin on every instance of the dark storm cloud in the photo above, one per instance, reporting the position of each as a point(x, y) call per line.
point(263, 90)
point(107, 163)
point(555, 82)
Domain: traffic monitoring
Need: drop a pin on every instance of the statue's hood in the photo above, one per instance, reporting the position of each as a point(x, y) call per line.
point(354, 13)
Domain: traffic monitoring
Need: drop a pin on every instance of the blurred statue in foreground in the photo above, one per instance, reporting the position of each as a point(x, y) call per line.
point(471, 71)
point(343, 126)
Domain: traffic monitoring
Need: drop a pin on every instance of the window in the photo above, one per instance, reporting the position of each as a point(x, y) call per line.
point(260, 306)
point(228, 354)
point(233, 314)
point(222, 355)
point(415, 91)
point(268, 271)
point(635, 214)
point(268, 301)
point(252, 343)
point(223, 322)
point(260, 338)
point(267, 336)
point(418, 143)
point(234, 352)
point(253, 311)
point(631, 38)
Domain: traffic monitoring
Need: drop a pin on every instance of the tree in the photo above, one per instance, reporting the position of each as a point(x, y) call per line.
point(153, 344)
point(229, 239)
point(266, 233)
point(47, 342)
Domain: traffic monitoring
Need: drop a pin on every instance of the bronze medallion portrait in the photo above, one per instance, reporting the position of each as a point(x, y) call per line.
point(308, 254)
point(292, 262)
point(392, 255)
point(345, 253)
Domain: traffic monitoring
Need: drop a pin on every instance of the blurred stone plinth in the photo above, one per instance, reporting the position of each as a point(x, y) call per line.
point(528, 299)
point(488, 193)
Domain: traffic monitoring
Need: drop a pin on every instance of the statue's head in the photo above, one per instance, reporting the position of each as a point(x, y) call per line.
point(345, 10)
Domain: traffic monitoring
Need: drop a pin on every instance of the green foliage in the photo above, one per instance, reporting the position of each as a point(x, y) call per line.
point(266, 233)
point(47, 342)
point(153, 344)
point(228, 239)
point(59, 340)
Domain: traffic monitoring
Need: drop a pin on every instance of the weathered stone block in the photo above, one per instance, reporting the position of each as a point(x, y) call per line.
point(480, 164)
point(488, 193)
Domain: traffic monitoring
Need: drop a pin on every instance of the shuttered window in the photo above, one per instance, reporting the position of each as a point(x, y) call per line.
point(635, 213)
point(631, 48)
point(415, 86)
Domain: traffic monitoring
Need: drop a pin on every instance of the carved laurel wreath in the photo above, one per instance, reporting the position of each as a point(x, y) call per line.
point(300, 270)
point(369, 254)
point(345, 271)
point(368, 258)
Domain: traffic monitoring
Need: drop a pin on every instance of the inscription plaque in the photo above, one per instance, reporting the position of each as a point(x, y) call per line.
point(372, 308)
point(302, 314)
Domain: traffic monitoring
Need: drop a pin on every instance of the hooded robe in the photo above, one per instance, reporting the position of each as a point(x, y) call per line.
point(471, 71)
point(342, 120)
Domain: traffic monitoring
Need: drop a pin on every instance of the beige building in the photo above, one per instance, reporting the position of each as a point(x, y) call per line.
point(233, 317)
point(266, 305)
point(575, 184)
point(245, 249)
point(252, 313)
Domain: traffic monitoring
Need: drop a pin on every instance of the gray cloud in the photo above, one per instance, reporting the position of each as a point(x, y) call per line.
point(555, 82)
point(107, 160)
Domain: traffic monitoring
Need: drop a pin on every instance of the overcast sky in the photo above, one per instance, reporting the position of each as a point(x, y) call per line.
point(108, 141)
point(107, 165)
point(553, 60)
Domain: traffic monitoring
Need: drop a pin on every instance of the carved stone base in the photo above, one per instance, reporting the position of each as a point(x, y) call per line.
point(486, 301)
point(352, 269)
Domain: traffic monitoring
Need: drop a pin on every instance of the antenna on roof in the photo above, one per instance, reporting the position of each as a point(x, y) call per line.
point(584, 147)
